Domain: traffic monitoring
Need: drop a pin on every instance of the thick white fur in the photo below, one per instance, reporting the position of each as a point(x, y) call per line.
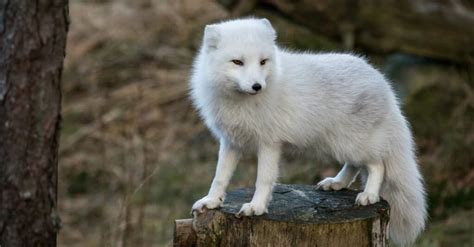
point(335, 104)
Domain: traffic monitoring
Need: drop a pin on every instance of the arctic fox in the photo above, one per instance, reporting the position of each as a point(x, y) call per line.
point(254, 95)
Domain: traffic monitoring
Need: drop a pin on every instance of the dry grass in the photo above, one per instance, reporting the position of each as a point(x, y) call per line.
point(127, 119)
point(134, 155)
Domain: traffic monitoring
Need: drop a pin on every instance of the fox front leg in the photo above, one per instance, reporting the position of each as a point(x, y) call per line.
point(227, 161)
point(268, 158)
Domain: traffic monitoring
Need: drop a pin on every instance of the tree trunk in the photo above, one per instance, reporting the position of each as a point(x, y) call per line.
point(32, 49)
point(298, 216)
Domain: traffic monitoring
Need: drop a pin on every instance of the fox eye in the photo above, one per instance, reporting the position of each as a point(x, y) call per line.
point(263, 62)
point(238, 62)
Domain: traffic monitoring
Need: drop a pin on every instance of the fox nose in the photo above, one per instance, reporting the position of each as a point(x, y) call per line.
point(256, 87)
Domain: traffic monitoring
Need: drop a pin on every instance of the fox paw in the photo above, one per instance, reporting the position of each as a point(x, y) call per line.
point(366, 198)
point(330, 184)
point(207, 202)
point(249, 209)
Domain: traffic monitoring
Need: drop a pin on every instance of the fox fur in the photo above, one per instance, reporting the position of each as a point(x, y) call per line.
point(333, 104)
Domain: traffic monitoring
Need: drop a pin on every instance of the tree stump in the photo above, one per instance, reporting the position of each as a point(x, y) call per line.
point(298, 215)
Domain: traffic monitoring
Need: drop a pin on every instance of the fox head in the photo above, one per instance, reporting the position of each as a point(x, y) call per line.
point(240, 55)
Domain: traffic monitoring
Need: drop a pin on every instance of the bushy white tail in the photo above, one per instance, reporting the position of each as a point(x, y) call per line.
point(403, 189)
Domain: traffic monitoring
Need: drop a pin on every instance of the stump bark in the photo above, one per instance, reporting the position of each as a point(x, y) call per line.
point(298, 215)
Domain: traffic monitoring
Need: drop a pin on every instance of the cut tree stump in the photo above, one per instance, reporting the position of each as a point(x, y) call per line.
point(298, 215)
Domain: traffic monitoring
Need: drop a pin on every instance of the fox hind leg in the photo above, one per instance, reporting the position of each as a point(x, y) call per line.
point(342, 180)
point(375, 175)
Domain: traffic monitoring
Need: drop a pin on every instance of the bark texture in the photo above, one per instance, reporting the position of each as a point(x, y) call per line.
point(32, 49)
point(298, 216)
point(184, 234)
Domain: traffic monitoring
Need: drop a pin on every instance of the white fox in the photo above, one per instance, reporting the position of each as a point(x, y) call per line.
point(254, 95)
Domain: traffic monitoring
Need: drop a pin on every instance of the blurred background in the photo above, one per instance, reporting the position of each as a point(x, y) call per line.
point(134, 155)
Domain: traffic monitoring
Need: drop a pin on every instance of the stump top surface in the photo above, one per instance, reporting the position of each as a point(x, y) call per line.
point(305, 204)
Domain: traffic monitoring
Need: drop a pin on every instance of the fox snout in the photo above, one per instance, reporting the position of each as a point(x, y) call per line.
point(257, 87)
point(254, 88)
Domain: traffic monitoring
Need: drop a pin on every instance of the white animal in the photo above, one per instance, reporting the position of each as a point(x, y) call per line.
point(254, 95)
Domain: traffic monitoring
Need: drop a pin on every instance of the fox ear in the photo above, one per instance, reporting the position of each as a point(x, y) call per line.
point(267, 23)
point(211, 36)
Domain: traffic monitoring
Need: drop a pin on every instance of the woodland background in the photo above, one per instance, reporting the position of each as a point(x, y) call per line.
point(134, 155)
